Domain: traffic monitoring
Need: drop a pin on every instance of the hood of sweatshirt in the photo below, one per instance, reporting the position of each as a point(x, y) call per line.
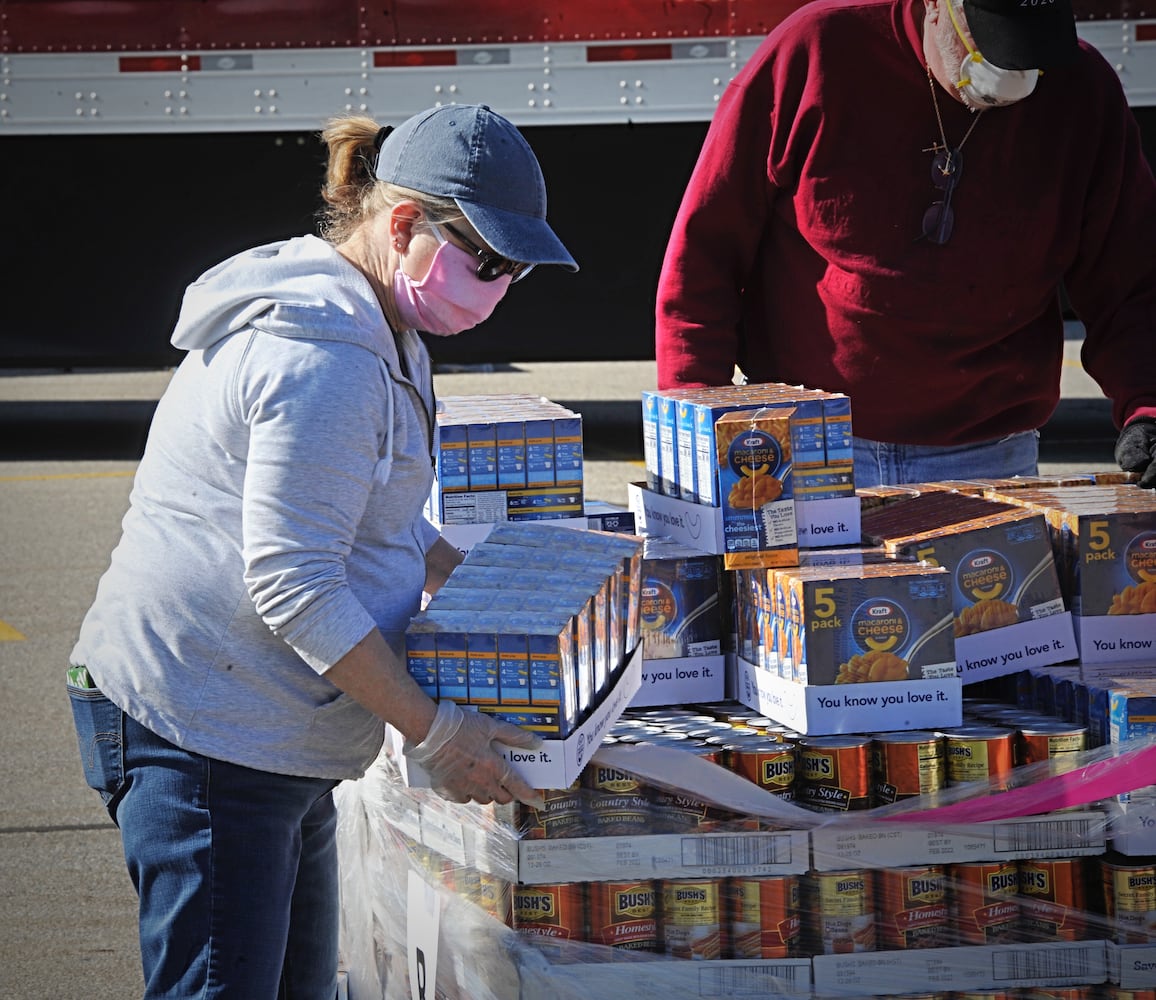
point(294, 288)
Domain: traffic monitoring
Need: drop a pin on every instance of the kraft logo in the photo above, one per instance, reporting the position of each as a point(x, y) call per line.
point(879, 611)
point(754, 441)
point(980, 561)
point(1149, 545)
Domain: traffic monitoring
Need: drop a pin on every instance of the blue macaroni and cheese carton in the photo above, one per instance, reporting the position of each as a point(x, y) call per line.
point(754, 461)
point(506, 457)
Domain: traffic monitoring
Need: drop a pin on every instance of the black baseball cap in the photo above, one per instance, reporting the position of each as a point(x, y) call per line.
point(1022, 34)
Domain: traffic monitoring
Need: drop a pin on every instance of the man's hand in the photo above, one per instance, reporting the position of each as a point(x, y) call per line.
point(1136, 450)
point(462, 763)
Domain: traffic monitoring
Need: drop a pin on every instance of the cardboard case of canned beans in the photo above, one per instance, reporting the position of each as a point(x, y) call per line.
point(925, 768)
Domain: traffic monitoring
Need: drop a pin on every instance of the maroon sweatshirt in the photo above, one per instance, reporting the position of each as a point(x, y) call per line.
point(796, 253)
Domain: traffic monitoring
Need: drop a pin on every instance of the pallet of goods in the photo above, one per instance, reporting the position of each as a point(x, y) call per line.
point(799, 740)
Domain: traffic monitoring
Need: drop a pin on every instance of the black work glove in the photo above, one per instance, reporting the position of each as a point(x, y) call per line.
point(1136, 450)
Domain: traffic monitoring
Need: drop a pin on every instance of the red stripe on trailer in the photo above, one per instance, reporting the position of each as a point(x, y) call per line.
point(159, 64)
point(627, 53)
point(416, 57)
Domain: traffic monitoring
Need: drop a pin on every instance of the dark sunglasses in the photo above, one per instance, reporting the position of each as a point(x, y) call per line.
point(939, 219)
point(490, 265)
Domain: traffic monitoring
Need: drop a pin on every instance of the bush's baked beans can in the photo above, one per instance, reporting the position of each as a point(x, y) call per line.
point(985, 905)
point(491, 893)
point(833, 773)
point(553, 913)
point(624, 915)
point(674, 811)
point(1129, 885)
point(1053, 899)
point(906, 764)
point(1038, 741)
point(692, 918)
point(979, 753)
point(839, 911)
point(764, 916)
point(562, 815)
point(617, 802)
point(767, 763)
point(912, 908)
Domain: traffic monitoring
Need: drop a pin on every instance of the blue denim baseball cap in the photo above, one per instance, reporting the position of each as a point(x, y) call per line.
point(479, 159)
point(1023, 34)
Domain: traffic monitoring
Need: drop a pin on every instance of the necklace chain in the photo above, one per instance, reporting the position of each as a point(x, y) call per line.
point(948, 151)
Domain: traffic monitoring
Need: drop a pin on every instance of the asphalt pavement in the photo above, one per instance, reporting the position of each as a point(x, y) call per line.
point(69, 442)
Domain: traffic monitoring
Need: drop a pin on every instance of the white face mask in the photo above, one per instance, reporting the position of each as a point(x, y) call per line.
point(984, 84)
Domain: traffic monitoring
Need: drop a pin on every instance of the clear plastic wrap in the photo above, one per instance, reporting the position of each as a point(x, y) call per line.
point(993, 887)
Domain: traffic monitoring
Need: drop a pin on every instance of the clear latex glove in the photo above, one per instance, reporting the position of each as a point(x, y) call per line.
point(1136, 450)
point(459, 756)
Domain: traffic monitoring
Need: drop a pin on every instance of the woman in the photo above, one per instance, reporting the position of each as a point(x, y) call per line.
point(246, 644)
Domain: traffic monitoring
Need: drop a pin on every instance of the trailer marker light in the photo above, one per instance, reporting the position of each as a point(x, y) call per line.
point(627, 53)
point(426, 57)
point(159, 64)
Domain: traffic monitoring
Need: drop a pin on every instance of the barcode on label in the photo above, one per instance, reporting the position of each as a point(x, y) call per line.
point(1055, 834)
point(734, 979)
point(1065, 963)
point(736, 851)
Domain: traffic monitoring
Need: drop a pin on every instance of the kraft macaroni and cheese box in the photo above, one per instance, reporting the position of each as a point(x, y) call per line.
point(1001, 566)
point(847, 625)
point(681, 610)
point(568, 451)
point(453, 461)
point(754, 470)
point(650, 453)
point(511, 446)
point(421, 653)
point(482, 445)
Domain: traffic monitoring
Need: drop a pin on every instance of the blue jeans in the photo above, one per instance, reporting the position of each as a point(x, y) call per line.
point(878, 463)
point(235, 869)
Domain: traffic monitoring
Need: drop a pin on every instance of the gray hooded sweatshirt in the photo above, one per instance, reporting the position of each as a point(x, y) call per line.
point(275, 518)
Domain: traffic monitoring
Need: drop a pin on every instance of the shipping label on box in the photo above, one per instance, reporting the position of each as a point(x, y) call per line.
point(1012, 648)
point(831, 709)
point(701, 855)
point(712, 978)
point(991, 967)
point(879, 844)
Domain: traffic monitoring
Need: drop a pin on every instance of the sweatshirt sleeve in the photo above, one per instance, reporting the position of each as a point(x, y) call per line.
point(317, 415)
point(715, 237)
point(1112, 283)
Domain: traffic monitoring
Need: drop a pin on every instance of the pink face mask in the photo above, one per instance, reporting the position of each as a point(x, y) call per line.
point(450, 298)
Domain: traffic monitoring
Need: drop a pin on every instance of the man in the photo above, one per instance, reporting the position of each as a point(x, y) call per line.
point(889, 198)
